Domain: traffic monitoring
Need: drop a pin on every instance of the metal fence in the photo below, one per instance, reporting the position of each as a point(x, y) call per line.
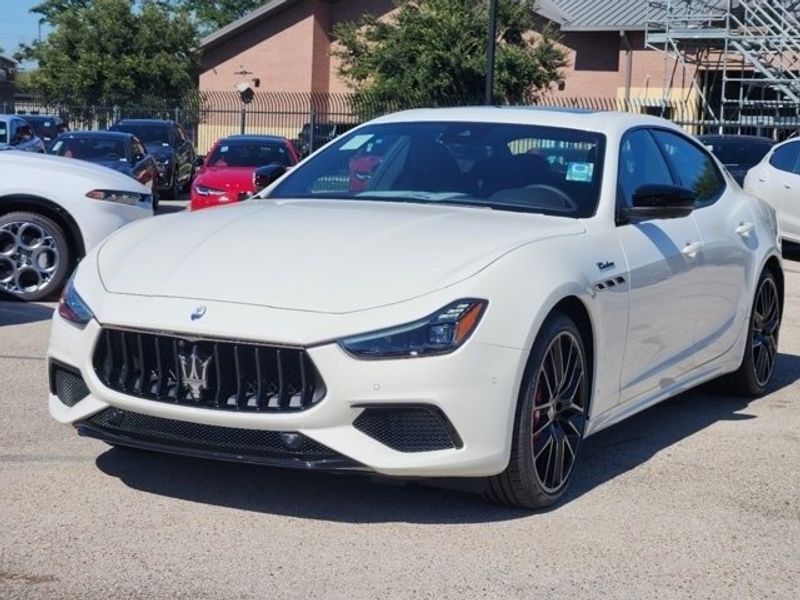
point(209, 116)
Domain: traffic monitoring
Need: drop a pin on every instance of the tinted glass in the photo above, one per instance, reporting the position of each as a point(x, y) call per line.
point(785, 157)
point(149, 134)
point(91, 148)
point(735, 151)
point(501, 166)
point(640, 163)
point(694, 167)
point(3, 132)
point(249, 154)
point(43, 126)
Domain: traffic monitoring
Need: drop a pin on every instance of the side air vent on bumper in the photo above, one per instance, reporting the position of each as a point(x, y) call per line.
point(207, 373)
point(408, 428)
point(279, 448)
point(66, 383)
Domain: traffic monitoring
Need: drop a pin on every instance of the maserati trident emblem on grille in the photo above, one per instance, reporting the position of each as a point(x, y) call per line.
point(194, 373)
point(198, 312)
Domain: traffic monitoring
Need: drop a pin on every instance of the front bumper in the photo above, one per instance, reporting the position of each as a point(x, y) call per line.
point(474, 390)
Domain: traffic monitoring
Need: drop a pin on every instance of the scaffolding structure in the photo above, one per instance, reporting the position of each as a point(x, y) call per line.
point(743, 58)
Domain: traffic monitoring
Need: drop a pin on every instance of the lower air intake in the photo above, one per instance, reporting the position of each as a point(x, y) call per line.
point(228, 443)
point(408, 428)
point(67, 384)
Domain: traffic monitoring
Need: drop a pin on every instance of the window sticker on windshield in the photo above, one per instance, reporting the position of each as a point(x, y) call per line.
point(580, 171)
point(56, 146)
point(224, 149)
point(47, 124)
point(357, 142)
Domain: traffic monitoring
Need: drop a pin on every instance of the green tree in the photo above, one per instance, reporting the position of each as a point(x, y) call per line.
point(213, 14)
point(114, 52)
point(433, 53)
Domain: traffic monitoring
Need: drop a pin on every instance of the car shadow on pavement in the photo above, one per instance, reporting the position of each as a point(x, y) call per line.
point(14, 312)
point(356, 498)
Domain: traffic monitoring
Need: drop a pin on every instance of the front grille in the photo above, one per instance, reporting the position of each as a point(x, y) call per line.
point(248, 445)
point(67, 384)
point(215, 374)
point(408, 428)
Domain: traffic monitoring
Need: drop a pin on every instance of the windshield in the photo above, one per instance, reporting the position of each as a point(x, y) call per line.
point(739, 152)
point(90, 148)
point(249, 154)
point(493, 165)
point(3, 132)
point(148, 134)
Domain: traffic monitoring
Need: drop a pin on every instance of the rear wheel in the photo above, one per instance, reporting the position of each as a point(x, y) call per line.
point(175, 188)
point(761, 351)
point(550, 421)
point(35, 257)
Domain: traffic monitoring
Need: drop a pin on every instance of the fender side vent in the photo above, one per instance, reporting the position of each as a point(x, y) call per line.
point(408, 428)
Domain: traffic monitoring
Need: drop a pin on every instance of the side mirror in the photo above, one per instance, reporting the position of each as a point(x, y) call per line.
point(198, 161)
point(264, 176)
point(660, 202)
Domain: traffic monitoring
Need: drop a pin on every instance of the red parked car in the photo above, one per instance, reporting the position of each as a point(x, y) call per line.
point(227, 173)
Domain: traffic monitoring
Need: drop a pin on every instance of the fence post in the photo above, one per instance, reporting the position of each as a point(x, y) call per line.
point(312, 125)
point(115, 114)
point(243, 119)
point(177, 112)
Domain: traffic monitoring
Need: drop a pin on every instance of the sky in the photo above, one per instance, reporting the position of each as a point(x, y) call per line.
point(17, 24)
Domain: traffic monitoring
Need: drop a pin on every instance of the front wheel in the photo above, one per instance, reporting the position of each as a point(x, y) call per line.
point(34, 256)
point(550, 421)
point(761, 349)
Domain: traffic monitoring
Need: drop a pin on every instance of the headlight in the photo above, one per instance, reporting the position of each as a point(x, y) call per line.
point(72, 307)
point(131, 198)
point(440, 333)
point(207, 191)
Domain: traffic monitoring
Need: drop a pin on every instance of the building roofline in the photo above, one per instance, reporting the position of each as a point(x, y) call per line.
point(220, 35)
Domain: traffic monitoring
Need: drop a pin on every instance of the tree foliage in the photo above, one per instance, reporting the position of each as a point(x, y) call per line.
point(213, 14)
point(433, 52)
point(114, 52)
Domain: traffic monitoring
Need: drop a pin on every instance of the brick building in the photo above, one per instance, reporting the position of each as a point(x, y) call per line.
point(286, 45)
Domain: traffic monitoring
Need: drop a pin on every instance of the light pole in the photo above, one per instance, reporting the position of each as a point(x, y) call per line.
point(490, 52)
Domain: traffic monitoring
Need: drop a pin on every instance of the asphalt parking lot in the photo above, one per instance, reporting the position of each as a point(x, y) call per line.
point(698, 497)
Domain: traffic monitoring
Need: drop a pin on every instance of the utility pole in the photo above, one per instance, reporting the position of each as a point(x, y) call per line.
point(490, 52)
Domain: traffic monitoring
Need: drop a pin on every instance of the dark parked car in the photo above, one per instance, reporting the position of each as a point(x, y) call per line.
point(47, 127)
point(739, 153)
point(16, 134)
point(122, 152)
point(323, 133)
point(172, 149)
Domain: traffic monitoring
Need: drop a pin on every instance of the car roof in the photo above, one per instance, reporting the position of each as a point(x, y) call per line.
point(39, 117)
point(253, 138)
point(144, 122)
point(120, 135)
point(9, 117)
point(608, 122)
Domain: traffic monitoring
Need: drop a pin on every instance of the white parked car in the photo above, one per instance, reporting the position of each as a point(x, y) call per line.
point(437, 293)
point(776, 180)
point(52, 211)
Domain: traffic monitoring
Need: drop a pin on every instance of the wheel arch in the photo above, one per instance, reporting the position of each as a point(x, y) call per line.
point(774, 266)
point(574, 308)
point(51, 210)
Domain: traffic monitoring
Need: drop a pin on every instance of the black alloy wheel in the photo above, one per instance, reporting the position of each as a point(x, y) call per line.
point(761, 350)
point(551, 419)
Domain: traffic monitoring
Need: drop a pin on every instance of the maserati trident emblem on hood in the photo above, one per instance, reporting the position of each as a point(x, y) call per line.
point(194, 373)
point(198, 312)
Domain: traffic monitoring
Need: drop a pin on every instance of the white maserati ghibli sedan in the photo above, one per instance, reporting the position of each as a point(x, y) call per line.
point(438, 293)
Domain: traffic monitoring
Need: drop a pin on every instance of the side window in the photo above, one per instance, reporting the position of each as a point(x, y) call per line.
point(178, 135)
point(694, 167)
point(640, 163)
point(785, 157)
point(138, 148)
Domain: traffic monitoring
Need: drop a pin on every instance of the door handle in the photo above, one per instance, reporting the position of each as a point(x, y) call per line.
point(691, 249)
point(745, 229)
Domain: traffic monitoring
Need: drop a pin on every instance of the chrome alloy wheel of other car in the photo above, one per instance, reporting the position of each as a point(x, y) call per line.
point(29, 257)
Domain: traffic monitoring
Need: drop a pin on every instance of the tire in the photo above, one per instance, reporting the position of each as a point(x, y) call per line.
point(761, 350)
point(35, 258)
point(529, 480)
point(154, 192)
point(174, 189)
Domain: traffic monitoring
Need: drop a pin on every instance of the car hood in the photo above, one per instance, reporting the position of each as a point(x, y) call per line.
point(239, 179)
point(159, 149)
point(315, 255)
